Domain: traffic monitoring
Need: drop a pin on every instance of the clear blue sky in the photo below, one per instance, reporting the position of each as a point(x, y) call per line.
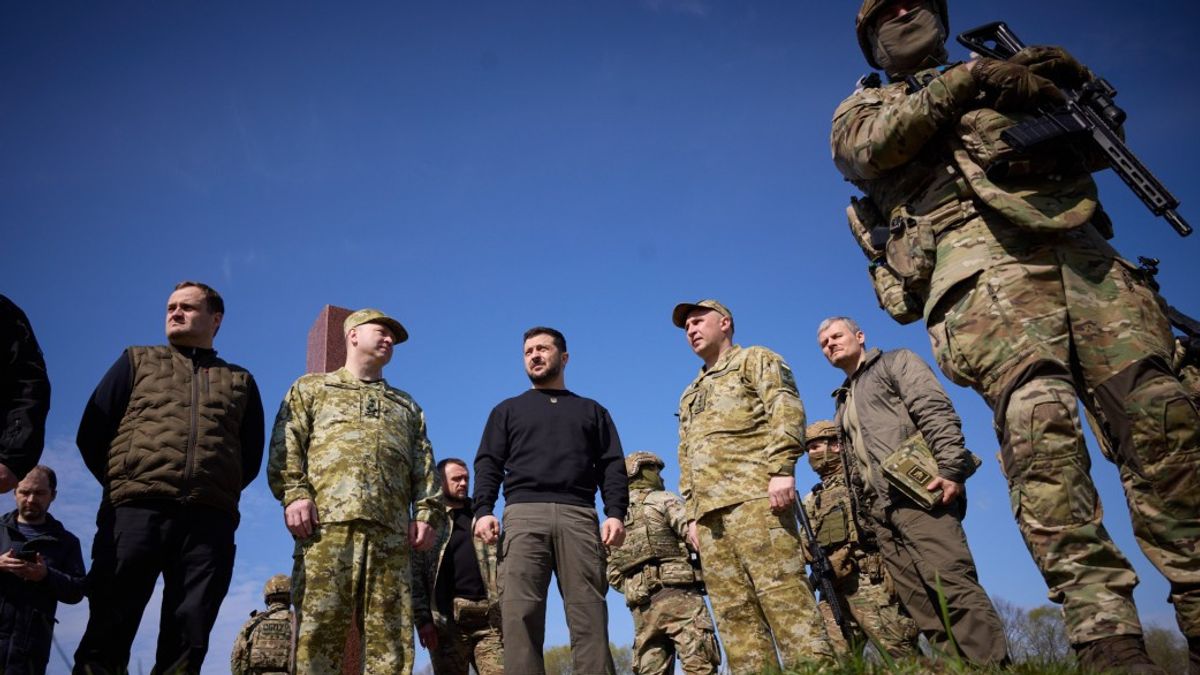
point(476, 168)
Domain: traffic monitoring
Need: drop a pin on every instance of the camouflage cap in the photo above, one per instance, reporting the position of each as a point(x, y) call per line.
point(280, 584)
point(635, 461)
point(680, 314)
point(375, 316)
point(866, 19)
point(821, 429)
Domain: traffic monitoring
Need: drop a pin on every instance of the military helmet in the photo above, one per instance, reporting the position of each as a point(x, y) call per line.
point(634, 462)
point(280, 584)
point(821, 429)
point(866, 17)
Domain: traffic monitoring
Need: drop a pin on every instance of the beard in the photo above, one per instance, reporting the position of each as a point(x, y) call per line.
point(551, 373)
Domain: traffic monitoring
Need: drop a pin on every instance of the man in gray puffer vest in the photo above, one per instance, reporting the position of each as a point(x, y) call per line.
point(174, 434)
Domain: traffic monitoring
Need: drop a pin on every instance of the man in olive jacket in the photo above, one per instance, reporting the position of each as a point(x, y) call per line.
point(174, 434)
point(892, 399)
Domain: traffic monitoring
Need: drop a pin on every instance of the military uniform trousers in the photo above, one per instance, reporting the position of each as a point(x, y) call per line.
point(1066, 320)
point(873, 613)
point(754, 573)
point(356, 571)
point(465, 646)
point(674, 624)
point(540, 538)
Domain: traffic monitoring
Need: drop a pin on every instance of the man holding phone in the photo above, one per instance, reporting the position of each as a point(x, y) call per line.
point(40, 566)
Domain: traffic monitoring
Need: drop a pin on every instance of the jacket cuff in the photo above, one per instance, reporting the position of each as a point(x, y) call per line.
point(293, 494)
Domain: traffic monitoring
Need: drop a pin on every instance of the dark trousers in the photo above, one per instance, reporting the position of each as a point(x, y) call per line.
point(193, 549)
point(925, 550)
point(539, 539)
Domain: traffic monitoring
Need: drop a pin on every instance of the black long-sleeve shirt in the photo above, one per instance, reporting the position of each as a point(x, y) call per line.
point(24, 391)
point(550, 445)
point(105, 409)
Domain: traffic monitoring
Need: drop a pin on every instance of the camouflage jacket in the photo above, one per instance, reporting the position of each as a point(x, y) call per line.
point(427, 564)
point(895, 395)
point(921, 153)
point(264, 645)
point(654, 554)
point(740, 423)
point(358, 449)
point(831, 513)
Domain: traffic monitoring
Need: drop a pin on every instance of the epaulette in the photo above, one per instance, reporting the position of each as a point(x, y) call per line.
point(868, 81)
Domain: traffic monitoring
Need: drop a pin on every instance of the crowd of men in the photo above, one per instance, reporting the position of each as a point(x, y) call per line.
point(1024, 301)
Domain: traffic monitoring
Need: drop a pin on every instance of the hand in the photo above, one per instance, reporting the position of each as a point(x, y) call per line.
point(693, 539)
point(427, 634)
point(612, 532)
point(1054, 64)
point(301, 518)
point(1013, 87)
point(420, 536)
point(28, 571)
point(487, 529)
point(950, 489)
point(8, 479)
point(782, 491)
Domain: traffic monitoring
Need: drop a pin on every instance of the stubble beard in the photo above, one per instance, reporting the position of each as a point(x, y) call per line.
point(553, 370)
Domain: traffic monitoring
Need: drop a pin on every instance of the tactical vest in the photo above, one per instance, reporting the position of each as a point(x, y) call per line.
point(833, 522)
point(651, 542)
point(180, 436)
point(269, 642)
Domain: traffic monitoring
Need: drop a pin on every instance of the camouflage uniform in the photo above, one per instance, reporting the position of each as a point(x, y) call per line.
point(740, 423)
point(1029, 305)
point(360, 452)
point(264, 645)
point(472, 639)
point(867, 602)
point(661, 587)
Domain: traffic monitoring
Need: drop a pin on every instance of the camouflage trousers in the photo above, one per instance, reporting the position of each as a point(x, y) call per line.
point(674, 623)
point(871, 611)
point(356, 571)
point(1067, 319)
point(754, 572)
point(461, 648)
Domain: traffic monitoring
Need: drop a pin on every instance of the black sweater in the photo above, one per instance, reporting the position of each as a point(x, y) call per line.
point(549, 445)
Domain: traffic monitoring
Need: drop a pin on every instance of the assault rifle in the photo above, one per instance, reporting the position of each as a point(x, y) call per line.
point(822, 571)
point(1089, 112)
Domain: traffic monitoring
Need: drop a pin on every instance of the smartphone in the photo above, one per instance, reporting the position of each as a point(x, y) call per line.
point(27, 556)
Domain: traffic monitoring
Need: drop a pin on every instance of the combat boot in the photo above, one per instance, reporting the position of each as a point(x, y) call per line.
point(1124, 654)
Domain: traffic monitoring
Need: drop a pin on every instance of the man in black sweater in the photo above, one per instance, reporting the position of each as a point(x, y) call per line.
point(551, 449)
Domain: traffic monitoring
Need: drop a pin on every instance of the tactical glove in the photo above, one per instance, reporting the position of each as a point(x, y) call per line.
point(1009, 86)
point(1054, 64)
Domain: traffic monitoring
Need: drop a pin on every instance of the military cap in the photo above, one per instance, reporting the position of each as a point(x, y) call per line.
point(635, 461)
point(375, 316)
point(280, 584)
point(866, 18)
point(821, 429)
point(680, 315)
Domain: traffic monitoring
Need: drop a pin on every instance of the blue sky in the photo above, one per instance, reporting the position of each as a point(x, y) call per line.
point(476, 168)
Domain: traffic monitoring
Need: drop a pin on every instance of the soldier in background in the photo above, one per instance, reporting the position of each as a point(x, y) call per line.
point(352, 465)
point(264, 646)
point(24, 396)
point(456, 598)
point(868, 600)
point(1027, 303)
point(741, 430)
point(662, 588)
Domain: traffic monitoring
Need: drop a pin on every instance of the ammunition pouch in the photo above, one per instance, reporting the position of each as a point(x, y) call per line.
point(866, 224)
point(834, 527)
point(988, 137)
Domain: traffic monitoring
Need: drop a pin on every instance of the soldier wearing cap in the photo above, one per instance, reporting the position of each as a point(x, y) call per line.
point(351, 463)
point(868, 600)
point(741, 431)
point(264, 645)
point(655, 572)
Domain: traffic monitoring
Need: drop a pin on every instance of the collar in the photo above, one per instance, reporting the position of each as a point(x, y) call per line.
point(873, 355)
point(722, 362)
point(344, 375)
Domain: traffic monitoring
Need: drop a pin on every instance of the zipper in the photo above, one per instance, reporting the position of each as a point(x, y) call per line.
point(190, 455)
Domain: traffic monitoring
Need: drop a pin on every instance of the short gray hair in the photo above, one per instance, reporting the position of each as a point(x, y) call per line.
point(851, 324)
